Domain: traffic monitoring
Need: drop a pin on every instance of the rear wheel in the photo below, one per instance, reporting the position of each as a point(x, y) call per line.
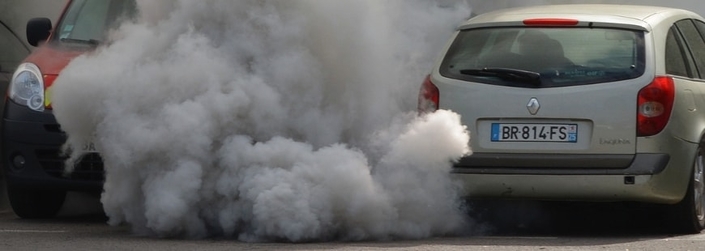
point(35, 204)
point(688, 216)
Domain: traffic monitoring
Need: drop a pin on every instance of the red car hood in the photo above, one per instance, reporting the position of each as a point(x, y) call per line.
point(51, 59)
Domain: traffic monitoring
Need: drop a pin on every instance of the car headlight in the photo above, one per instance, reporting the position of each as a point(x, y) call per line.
point(27, 87)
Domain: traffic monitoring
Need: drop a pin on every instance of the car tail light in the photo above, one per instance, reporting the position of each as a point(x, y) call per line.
point(655, 103)
point(429, 96)
point(551, 22)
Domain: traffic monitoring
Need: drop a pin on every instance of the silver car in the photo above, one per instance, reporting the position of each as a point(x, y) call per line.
point(580, 102)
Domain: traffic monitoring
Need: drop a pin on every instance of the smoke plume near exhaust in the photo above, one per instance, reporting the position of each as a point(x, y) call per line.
point(271, 120)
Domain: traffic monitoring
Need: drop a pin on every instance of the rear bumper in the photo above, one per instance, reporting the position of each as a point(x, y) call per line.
point(606, 188)
point(35, 139)
point(653, 178)
point(563, 164)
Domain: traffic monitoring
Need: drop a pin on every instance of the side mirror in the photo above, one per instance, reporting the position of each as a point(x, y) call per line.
point(38, 29)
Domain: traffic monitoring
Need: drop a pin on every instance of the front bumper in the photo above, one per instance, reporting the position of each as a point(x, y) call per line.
point(35, 139)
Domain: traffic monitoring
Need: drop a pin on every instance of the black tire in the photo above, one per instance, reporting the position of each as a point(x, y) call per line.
point(688, 216)
point(35, 204)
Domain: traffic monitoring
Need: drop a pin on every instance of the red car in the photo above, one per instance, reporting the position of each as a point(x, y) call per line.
point(31, 137)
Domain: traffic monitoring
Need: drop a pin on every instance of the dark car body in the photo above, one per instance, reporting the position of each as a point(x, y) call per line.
point(32, 140)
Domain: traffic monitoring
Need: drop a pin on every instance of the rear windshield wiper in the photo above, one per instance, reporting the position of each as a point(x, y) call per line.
point(506, 74)
point(81, 41)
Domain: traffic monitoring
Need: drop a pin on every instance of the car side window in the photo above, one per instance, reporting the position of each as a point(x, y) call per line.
point(695, 43)
point(700, 25)
point(12, 51)
point(675, 54)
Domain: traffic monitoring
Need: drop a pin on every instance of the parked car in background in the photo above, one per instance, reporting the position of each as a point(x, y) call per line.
point(580, 103)
point(12, 52)
point(31, 137)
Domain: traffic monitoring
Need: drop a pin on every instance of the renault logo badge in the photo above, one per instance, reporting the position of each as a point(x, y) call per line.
point(533, 106)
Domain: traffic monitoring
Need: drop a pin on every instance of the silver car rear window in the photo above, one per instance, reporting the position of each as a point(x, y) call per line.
point(545, 57)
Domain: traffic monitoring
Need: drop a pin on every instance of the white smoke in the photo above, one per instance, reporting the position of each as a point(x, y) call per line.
point(271, 120)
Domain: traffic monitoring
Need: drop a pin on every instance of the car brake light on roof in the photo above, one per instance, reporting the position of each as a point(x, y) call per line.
point(551, 22)
point(655, 103)
point(429, 97)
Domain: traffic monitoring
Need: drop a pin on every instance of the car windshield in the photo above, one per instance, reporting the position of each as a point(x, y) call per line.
point(87, 21)
point(560, 56)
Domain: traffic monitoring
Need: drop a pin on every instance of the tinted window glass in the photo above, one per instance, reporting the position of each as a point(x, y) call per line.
point(701, 30)
point(675, 55)
point(563, 56)
point(90, 20)
point(12, 51)
point(695, 43)
point(701, 27)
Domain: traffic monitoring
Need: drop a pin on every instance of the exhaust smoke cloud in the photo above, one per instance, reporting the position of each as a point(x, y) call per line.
point(271, 120)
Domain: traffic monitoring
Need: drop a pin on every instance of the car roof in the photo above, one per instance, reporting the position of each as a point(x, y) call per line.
point(629, 16)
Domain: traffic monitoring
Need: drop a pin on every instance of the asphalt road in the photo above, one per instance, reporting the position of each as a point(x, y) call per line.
point(505, 226)
point(89, 232)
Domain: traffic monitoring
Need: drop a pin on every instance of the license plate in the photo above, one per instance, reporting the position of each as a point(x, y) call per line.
point(513, 132)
